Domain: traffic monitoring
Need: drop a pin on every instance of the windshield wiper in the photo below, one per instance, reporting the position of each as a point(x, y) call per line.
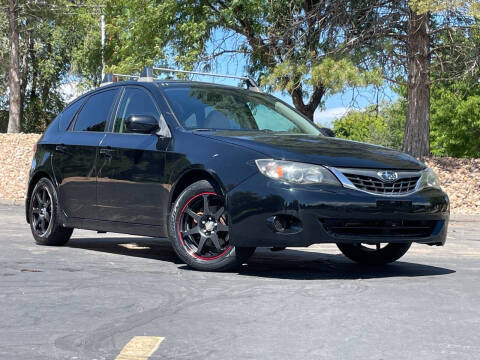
point(204, 129)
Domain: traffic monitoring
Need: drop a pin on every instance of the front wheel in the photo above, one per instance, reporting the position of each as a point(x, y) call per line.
point(374, 254)
point(199, 231)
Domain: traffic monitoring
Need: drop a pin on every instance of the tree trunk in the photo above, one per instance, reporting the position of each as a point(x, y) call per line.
point(307, 109)
point(13, 68)
point(416, 140)
point(25, 69)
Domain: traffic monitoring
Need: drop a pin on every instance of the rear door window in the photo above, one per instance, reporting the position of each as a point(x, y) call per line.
point(94, 114)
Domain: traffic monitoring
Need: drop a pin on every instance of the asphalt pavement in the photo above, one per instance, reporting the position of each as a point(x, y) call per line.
point(110, 296)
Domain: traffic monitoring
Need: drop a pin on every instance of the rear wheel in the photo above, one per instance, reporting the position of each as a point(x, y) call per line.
point(43, 215)
point(374, 254)
point(199, 231)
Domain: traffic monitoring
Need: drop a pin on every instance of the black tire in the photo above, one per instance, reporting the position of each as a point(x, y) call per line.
point(43, 213)
point(363, 254)
point(200, 238)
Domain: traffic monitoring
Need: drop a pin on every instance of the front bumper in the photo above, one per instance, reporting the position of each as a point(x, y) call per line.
point(324, 211)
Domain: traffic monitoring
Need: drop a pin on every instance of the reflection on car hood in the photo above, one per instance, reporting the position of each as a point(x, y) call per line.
point(319, 150)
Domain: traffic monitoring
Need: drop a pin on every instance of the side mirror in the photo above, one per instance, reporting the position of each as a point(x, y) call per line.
point(327, 132)
point(141, 124)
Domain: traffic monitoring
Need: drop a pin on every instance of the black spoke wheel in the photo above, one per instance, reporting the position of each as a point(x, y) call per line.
point(41, 210)
point(374, 253)
point(199, 230)
point(43, 215)
point(202, 226)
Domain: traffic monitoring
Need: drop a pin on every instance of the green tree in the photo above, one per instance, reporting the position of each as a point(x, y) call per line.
point(293, 46)
point(430, 23)
point(381, 126)
point(58, 41)
point(360, 126)
point(3, 58)
point(14, 82)
point(455, 119)
point(410, 40)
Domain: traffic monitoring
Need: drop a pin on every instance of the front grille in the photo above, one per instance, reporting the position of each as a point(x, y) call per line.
point(375, 185)
point(379, 228)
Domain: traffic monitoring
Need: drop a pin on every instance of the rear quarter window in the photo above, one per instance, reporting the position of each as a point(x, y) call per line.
point(94, 114)
point(66, 117)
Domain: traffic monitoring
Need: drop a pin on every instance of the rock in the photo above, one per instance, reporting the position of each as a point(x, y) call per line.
point(460, 178)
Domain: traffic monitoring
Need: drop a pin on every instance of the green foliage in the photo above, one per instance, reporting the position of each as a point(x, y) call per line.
point(359, 126)
point(3, 55)
point(148, 32)
point(383, 128)
point(3, 121)
point(50, 37)
point(86, 47)
point(423, 6)
point(455, 92)
point(59, 43)
point(394, 116)
point(332, 74)
point(311, 59)
point(455, 119)
point(135, 36)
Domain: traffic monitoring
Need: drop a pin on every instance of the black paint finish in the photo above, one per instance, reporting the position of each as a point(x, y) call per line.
point(320, 150)
point(126, 182)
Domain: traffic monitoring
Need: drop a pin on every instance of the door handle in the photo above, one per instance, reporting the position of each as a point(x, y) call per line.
point(107, 151)
point(61, 148)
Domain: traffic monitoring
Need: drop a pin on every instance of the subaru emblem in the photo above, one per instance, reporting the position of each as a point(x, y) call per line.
point(387, 175)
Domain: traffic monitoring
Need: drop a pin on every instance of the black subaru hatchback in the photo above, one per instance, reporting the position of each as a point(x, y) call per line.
point(220, 171)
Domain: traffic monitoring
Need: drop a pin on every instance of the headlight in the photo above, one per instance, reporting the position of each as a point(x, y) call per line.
point(429, 179)
point(297, 173)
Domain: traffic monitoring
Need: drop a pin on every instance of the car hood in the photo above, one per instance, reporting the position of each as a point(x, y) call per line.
point(319, 150)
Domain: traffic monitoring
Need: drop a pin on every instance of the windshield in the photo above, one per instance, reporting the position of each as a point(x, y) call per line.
point(198, 107)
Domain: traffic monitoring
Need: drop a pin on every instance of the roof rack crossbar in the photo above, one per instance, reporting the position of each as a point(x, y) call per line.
point(147, 75)
point(200, 73)
point(127, 76)
point(251, 85)
point(110, 78)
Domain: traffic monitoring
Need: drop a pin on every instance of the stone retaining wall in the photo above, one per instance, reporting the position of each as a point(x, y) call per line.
point(460, 177)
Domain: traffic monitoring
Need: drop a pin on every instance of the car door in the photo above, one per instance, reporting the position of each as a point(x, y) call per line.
point(131, 178)
point(74, 161)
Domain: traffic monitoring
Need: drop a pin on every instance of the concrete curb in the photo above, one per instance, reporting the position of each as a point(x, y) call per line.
point(465, 218)
point(12, 202)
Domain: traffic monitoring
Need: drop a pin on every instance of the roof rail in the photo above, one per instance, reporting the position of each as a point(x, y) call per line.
point(147, 75)
point(110, 78)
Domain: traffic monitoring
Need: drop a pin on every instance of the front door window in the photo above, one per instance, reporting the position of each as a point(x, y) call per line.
point(135, 101)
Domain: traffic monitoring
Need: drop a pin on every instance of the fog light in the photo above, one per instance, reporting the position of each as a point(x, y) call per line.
point(279, 223)
point(285, 224)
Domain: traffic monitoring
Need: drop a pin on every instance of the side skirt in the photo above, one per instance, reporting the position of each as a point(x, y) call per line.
point(117, 227)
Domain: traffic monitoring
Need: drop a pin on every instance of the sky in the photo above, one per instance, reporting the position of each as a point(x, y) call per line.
point(334, 107)
point(339, 104)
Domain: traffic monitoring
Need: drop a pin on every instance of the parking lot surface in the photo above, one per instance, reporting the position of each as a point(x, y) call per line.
point(110, 296)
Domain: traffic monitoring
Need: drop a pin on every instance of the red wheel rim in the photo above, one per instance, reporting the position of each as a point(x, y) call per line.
point(204, 226)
